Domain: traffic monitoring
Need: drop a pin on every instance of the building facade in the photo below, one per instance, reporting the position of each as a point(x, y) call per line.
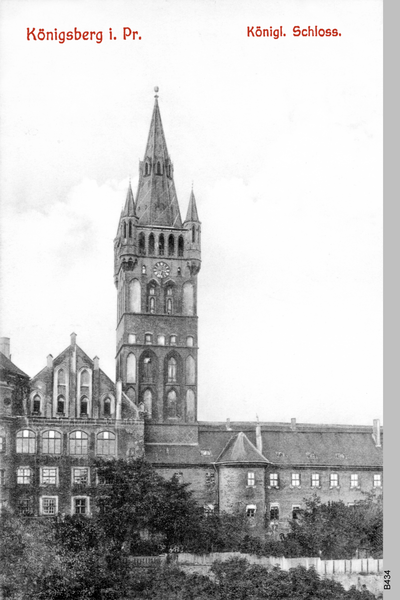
point(55, 424)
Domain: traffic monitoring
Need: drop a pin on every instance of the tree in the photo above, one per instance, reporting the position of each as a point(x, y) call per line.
point(334, 530)
point(133, 499)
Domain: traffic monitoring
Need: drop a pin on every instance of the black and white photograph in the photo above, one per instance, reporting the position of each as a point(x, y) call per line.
point(191, 379)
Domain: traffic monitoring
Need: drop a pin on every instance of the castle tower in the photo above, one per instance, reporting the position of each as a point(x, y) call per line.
point(157, 260)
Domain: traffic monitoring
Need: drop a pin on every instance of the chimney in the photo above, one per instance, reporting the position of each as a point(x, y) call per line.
point(96, 363)
point(5, 347)
point(228, 425)
point(258, 438)
point(50, 361)
point(73, 339)
point(293, 426)
point(376, 429)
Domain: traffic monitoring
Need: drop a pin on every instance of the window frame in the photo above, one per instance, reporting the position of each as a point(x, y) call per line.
point(24, 476)
point(85, 436)
point(43, 476)
point(73, 476)
point(251, 510)
point(251, 479)
point(102, 443)
point(315, 480)
point(74, 499)
point(31, 440)
point(295, 480)
point(354, 481)
point(53, 440)
point(272, 478)
point(333, 477)
point(274, 506)
point(377, 477)
point(41, 506)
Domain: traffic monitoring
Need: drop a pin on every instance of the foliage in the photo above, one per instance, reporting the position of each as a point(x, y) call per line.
point(334, 530)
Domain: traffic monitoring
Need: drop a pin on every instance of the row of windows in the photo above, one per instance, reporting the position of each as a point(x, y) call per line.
point(149, 370)
point(161, 245)
point(48, 505)
point(49, 476)
point(158, 168)
point(78, 442)
point(315, 480)
point(158, 300)
point(161, 340)
point(61, 404)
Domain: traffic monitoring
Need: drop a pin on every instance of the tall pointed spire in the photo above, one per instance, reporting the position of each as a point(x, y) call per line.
point(191, 214)
point(130, 208)
point(156, 200)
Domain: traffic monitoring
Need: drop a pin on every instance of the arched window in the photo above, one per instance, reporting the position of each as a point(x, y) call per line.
point(51, 442)
point(172, 404)
point(148, 367)
point(107, 407)
point(85, 378)
point(124, 229)
point(60, 405)
point(151, 299)
point(130, 229)
point(158, 168)
point(142, 244)
point(161, 340)
point(106, 443)
point(146, 169)
point(148, 402)
point(131, 394)
point(84, 406)
point(171, 245)
point(151, 243)
point(189, 340)
point(36, 404)
point(180, 246)
point(172, 370)
point(61, 377)
point(161, 244)
point(78, 443)
point(169, 300)
point(131, 368)
point(134, 296)
point(190, 371)
point(190, 406)
point(26, 442)
point(193, 234)
point(188, 299)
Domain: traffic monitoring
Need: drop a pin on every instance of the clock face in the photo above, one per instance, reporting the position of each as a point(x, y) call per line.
point(161, 269)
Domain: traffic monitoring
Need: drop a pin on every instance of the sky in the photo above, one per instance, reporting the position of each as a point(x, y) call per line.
point(282, 140)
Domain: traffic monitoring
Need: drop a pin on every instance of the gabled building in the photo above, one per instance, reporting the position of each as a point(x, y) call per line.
point(71, 412)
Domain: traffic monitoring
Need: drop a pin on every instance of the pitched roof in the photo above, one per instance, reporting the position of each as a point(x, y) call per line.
point(192, 209)
point(308, 445)
point(239, 449)
point(156, 199)
point(7, 365)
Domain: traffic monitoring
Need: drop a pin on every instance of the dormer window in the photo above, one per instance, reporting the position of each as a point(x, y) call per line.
point(147, 169)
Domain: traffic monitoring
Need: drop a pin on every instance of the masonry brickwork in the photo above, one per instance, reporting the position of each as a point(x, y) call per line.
point(56, 423)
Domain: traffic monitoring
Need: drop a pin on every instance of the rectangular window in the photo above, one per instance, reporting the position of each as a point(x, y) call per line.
point(273, 480)
point(51, 442)
point(49, 505)
point(80, 476)
point(210, 478)
point(251, 479)
point(251, 510)
point(377, 480)
point(315, 480)
point(295, 479)
point(80, 506)
point(208, 509)
point(353, 480)
point(179, 477)
point(49, 475)
point(24, 475)
point(25, 507)
point(295, 511)
point(274, 512)
point(334, 480)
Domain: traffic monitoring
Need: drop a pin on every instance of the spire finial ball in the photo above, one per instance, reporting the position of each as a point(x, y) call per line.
point(156, 89)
